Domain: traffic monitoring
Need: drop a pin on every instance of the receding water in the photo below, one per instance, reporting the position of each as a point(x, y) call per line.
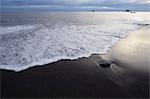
point(30, 39)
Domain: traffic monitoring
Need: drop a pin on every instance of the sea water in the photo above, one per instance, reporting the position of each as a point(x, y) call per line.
point(31, 39)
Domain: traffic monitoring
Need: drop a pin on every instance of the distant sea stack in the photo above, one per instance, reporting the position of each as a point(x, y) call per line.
point(131, 11)
point(127, 10)
point(93, 10)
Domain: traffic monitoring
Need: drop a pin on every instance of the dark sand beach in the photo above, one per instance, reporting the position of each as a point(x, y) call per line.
point(72, 79)
point(81, 78)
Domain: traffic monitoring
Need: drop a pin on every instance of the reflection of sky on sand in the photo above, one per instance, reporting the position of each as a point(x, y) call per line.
point(133, 52)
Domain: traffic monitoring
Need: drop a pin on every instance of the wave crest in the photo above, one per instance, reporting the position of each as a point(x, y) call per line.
point(24, 46)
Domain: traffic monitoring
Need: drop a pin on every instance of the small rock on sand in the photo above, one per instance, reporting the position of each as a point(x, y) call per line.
point(105, 63)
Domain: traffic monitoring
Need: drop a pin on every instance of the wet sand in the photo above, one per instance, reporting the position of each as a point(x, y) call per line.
point(84, 78)
point(133, 52)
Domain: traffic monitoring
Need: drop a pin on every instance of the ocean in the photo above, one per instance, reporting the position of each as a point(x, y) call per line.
point(36, 38)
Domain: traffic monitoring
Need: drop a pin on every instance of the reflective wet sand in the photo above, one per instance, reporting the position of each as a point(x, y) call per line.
point(133, 52)
point(131, 57)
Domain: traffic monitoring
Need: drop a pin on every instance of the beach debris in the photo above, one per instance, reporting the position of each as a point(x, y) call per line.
point(105, 63)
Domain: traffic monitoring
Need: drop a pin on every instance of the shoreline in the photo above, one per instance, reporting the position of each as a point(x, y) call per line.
point(79, 78)
point(132, 51)
point(79, 57)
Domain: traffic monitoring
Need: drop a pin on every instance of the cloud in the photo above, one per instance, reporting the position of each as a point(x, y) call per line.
point(147, 1)
point(77, 4)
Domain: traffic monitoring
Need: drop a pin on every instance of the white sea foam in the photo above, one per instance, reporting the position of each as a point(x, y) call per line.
point(25, 46)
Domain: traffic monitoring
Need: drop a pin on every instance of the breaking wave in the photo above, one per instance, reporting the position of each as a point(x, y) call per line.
point(25, 46)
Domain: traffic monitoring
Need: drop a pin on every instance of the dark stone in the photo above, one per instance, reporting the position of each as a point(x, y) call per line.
point(105, 63)
point(93, 10)
point(127, 10)
point(146, 24)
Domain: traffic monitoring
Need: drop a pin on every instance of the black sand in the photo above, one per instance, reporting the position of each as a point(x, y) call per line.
point(81, 78)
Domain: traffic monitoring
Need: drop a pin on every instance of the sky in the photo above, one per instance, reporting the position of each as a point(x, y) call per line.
point(77, 5)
